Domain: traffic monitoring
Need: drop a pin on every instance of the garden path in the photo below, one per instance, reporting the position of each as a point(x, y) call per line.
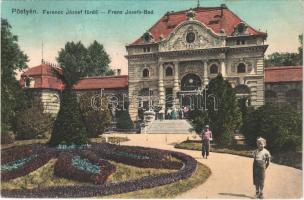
point(231, 176)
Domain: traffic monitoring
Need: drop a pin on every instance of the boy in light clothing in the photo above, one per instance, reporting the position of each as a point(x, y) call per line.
point(261, 162)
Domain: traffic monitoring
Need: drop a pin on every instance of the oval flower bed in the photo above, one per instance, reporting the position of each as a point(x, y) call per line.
point(84, 167)
point(19, 161)
point(81, 165)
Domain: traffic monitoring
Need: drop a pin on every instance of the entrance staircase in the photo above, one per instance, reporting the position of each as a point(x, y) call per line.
point(179, 126)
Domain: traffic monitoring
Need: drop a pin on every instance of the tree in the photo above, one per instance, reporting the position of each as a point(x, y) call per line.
point(99, 60)
point(198, 119)
point(227, 118)
point(300, 49)
point(283, 59)
point(32, 122)
point(124, 120)
point(286, 59)
point(96, 117)
point(12, 59)
point(280, 125)
point(69, 127)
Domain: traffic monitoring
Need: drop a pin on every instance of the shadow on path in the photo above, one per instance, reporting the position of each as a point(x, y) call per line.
point(236, 195)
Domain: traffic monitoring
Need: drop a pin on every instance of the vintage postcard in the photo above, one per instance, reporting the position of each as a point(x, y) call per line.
point(186, 99)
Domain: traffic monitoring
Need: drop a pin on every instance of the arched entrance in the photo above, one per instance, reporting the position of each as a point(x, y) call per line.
point(188, 94)
point(191, 82)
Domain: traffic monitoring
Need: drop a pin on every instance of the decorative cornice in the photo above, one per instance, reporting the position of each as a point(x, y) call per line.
point(201, 51)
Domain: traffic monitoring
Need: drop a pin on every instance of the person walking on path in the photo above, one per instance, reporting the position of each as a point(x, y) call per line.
point(260, 164)
point(206, 138)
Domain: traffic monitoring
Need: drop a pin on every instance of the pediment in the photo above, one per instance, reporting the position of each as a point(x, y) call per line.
point(192, 35)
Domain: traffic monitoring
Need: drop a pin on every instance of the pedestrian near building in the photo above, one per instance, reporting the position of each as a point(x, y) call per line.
point(260, 164)
point(206, 138)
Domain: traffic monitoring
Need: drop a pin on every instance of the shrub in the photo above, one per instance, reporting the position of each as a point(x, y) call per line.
point(227, 118)
point(124, 120)
point(198, 119)
point(281, 126)
point(7, 137)
point(69, 127)
point(32, 122)
point(96, 119)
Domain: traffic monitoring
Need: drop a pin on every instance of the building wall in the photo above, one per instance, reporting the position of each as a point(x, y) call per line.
point(196, 58)
point(285, 93)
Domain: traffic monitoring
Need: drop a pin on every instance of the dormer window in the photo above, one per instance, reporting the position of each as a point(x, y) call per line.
point(147, 37)
point(240, 29)
point(28, 82)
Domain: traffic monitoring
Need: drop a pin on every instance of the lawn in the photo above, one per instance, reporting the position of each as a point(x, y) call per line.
point(292, 159)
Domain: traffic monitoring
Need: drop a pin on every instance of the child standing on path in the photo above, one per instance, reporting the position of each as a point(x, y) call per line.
point(261, 162)
point(206, 137)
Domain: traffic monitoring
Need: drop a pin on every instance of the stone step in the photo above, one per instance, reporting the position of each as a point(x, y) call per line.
point(169, 127)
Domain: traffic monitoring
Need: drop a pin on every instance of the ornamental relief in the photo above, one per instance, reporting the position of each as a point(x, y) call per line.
point(191, 36)
point(191, 68)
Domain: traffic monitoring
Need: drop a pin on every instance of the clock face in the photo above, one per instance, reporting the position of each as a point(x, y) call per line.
point(190, 37)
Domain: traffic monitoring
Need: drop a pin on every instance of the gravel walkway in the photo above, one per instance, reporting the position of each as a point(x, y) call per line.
point(231, 176)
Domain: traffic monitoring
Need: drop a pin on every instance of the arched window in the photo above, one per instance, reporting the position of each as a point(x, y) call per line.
point(214, 69)
point(169, 71)
point(241, 68)
point(145, 73)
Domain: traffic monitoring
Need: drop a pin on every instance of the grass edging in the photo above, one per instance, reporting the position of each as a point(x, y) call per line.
point(278, 158)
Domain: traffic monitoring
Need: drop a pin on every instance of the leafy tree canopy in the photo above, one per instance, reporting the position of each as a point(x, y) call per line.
point(77, 61)
point(226, 117)
point(12, 59)
point(286, 59)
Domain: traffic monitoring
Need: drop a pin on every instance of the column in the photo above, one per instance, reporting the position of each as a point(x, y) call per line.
point(205, 81)
point(223, 68)
point(161, 89)
point(176, 87)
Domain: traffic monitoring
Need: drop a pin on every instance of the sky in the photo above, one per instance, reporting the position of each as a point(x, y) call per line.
point(282, 19)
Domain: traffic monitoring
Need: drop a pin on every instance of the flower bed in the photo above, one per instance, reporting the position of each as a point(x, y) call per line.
point(189, 165)
point(138, 156)
point(83, 167)
point(25, 165)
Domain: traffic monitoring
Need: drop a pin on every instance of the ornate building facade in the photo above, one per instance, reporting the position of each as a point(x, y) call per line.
point(185, 49)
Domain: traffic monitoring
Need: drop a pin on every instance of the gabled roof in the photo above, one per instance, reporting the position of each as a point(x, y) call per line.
point(216, 18)
point(44, 78)
point(283, 74)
